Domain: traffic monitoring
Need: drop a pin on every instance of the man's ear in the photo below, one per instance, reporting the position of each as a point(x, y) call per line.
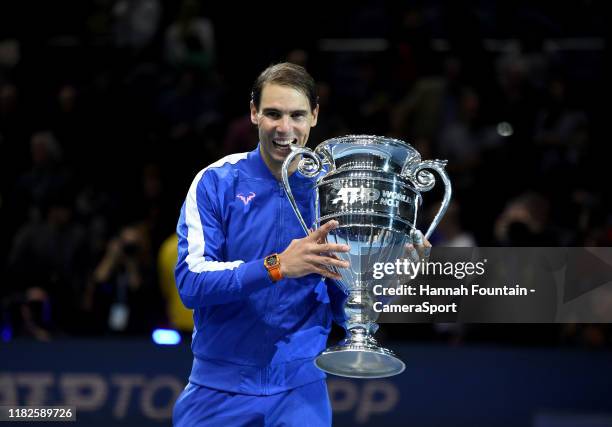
point(315, 115)
point(253, 113)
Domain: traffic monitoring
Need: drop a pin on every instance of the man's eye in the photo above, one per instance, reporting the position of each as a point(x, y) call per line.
point(273, 115)
point(298, 116)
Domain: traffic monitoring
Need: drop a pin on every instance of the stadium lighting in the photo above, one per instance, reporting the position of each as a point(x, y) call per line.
point(166, 337)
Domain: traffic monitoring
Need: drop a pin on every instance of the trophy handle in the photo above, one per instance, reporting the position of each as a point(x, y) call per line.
point(424, 180)
point(310, 166)
point(327, 159)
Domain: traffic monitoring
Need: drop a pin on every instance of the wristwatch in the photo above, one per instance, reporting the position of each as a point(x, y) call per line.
point(272, 264)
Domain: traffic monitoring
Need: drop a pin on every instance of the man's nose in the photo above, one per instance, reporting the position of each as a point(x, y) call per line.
point(284, 124)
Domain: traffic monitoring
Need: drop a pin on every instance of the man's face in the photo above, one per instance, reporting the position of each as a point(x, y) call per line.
point(284, 117)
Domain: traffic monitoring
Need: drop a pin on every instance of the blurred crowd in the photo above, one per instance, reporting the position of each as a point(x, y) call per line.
point(109, 108)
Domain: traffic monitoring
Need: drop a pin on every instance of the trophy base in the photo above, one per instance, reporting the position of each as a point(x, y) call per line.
point(355, 362)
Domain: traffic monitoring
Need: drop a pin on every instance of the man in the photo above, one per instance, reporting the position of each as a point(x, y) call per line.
point(262, 311)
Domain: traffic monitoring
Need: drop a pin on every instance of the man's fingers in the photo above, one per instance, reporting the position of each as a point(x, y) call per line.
point(322, 231)
point(331, 247)
point(412, 253)
point(417, 237)
point(420, 246)
point(424, 248)
point(325, 260)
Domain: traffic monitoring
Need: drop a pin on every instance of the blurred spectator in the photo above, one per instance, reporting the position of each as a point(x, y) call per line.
point(153, 203)
point(518, 98)
point(463, 138)
point(412, 38)
point(47, 175)
point(70, 124)
point(189, 106)
point(427, 109)
point(10, 54)
point(331, 124)
point(561, 137)
point(123, 293)
point(524, 222)
point(241, 136)
point(12, 124)
point(557, 123)
point(190, 39)
point(47, 268)
point(136, 22)
point(8, 103)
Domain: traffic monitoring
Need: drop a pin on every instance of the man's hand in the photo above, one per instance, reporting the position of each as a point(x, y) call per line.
point(420, 248)
point(311, 255)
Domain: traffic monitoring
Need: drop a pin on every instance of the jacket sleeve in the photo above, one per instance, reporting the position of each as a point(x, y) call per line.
point(337, 298)
point(203, 277)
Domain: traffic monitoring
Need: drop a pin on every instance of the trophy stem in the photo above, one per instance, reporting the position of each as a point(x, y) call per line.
point(358, 355)
point(358, 336)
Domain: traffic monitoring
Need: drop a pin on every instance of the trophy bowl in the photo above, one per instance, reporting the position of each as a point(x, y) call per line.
point(372, 186)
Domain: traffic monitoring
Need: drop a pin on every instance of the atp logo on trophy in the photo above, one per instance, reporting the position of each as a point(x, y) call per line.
point(349, 195)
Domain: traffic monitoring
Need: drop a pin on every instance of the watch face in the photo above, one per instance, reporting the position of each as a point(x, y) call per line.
point(271, 261)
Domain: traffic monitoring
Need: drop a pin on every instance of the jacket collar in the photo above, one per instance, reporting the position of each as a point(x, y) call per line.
point(259, 166)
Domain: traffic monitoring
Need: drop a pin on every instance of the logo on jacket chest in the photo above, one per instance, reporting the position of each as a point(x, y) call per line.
point(246, 199)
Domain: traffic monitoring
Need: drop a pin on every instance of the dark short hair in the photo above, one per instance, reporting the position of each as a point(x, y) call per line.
point(286, 74)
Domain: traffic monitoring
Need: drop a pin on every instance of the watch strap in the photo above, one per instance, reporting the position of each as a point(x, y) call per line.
point(274, 271)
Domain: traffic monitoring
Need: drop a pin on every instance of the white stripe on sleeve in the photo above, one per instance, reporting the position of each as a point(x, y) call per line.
point(195, 233)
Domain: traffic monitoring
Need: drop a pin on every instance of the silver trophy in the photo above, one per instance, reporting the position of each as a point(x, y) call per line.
point(372, 186)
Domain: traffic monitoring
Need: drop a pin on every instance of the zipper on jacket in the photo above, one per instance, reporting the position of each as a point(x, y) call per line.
point(274, 292)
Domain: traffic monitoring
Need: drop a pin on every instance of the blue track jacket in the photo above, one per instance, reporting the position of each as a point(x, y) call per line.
point(251, 336)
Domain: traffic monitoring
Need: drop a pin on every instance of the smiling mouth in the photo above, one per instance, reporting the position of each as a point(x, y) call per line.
point(284, 143)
